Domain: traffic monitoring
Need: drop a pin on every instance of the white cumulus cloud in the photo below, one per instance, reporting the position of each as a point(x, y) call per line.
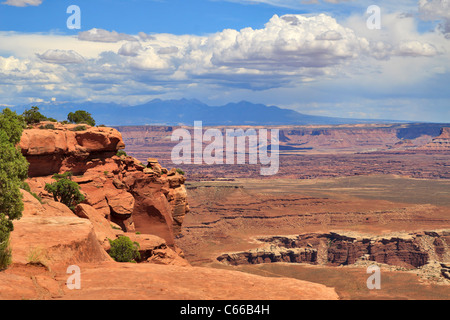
point(436, 10)
point(61, 57)
point(101, 35)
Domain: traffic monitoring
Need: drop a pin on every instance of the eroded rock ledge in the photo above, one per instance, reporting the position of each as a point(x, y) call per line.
point(136, 197)
point(409, 251)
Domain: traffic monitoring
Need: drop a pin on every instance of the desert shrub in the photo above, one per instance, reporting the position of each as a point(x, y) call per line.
point(37, 197)
point(121, 153)
point(25, 186)
point(124, 250)
point(180, 171)
point(65, 190)
point(48, 126)
point(37, 256)
point(79, 128)
point(81, 116)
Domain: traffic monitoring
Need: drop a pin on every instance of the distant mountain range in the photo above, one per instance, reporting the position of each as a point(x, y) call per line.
point(185, 112)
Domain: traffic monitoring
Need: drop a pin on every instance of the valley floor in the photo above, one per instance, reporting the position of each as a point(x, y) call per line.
point(230, 217)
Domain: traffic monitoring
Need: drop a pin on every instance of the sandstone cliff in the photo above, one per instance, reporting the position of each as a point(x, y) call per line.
point(50, 237)
point(123, 196)
point(405, 250)
point(440, 143)
point(139, 198)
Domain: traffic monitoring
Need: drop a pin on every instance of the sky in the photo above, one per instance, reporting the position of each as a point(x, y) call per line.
point(319, 57)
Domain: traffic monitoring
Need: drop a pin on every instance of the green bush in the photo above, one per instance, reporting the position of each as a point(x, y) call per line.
point(13, 171)
point(121, 153)
point(65, 190)
point(5, 251)
point(25, 186)
point(5, 254)
point(79, 128)
point(13, 166)
point(124, 250)
point(180, 171)
point(33, 116)
point(12, 124)
point(81, 116)
point(48, 126)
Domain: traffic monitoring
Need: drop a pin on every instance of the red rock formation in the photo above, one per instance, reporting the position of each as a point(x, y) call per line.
point(404, 250)
point(148, 199)
point(440, 143)
point(50, 237)
point(64, 149)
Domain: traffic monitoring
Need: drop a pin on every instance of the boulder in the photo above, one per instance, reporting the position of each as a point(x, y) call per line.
point(154, 249)
point(102, 227)
point(120, 202)
point(55, 241)
point(32, 206)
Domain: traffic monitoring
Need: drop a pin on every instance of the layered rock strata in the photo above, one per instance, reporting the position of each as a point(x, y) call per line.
point(138, 198)
point(439, 143)
point(50, 237)
point(409, 251)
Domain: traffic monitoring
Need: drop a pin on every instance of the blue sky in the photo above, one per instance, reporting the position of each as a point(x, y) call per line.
point(150, 16)
point(317, 57)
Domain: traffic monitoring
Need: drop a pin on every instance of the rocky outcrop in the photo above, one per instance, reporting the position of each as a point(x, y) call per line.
point(46, 241)
point(271, 254)
point(405, 250)
point(103, 228)
point(118, 281)
point(139, 198)
point(74, 148)
point(50, 234)
point(154, 250)
point(440, 143)
point(445, 270)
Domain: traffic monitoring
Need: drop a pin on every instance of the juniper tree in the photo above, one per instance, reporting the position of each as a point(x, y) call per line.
point(13, 171)
point(81, 117)
point(65, 190)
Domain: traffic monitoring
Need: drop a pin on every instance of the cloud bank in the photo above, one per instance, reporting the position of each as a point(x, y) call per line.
point(314, 57)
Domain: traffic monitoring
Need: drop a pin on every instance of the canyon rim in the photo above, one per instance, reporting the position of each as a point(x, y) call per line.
point(226, 157)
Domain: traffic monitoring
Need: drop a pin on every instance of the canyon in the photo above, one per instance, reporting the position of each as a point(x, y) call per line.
point(123, 197)
point(326, 231)
point(345, 197)
point(309, 152)
point(403, 250)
